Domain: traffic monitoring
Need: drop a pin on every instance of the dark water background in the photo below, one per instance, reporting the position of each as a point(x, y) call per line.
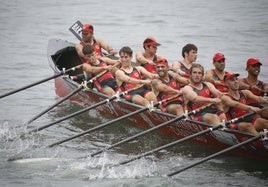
point(237, 28)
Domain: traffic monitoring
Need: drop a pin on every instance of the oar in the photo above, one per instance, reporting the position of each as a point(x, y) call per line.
point(83, 85)
point(150, 130)
point(41, 81)
point(255, 138)
point(83, 110)
point(212, 128)
point(108, 123)
point(76, 29)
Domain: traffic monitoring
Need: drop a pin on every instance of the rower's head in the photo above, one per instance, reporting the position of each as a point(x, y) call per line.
point(89, 53)
point(87, 32)
point(125, 54)
point(253, 66)
point(189, 51)
point(196, 73)
point(219, 61)
point(87, 28)
point(161, 66)
point(150, 43)
point(231, 80)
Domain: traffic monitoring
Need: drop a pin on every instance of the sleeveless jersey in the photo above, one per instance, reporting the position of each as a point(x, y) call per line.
point(163, 95)
point(184, 69)
point(96, 47)
point(236, 112)
point(105, 76)
point(149, 67)
point(204, 92)
point(221, 88)
point(255, 92)
point(134, 74)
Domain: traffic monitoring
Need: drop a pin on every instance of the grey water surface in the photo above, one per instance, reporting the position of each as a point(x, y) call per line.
point(237, 28)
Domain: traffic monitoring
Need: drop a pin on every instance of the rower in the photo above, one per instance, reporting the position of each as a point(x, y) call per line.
point(189, 54)
point(148, 58)
point(168, 85)
point(216, 75)
point(252, 83)
point(129, 77)
point(199, 93)
point(97, 43)
point(93, 66)
point(235, 105)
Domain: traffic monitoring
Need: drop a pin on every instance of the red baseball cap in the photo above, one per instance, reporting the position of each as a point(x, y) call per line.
point(161, 61)
point(87, 28)
point(229, 75)
point(218, 56)
point(253, 61)
point(150, 41)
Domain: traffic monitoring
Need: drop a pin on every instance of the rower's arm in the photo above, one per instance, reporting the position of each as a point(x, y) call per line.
point(158, 86)
point(122, 77)
point(228, 102)
point(146, 73)
point(106, 47)
point(190, 95)
point(140, 59)
point(79, 51)
point(250, 95)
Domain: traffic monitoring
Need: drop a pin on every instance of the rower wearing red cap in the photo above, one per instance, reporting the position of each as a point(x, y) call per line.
point(97, 43)
point(215, 76)
point(235, 105)
point(148, 58)
point(168, 85)
point(252, 83)
point(253, 67)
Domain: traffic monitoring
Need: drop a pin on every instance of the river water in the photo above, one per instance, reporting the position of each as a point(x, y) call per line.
point(237, 28)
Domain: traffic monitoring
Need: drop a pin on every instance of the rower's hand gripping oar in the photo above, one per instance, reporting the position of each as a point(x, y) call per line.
point(263, 135)
point(62, 72)
point(223, 125)
point(82, 111)
point(110, 122)
point(151, 129)
point(81, 87)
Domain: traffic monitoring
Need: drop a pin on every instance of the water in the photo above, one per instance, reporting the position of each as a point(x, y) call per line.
point(236, 28)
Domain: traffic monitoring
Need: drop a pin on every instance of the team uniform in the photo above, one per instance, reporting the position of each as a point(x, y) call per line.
point(96, 47)
point(149, 67)
point(142, 91)
point(105, 80)
point(255, 92)
point(162, 95)
point(204, 92)
point(237, 112)
point(221, 88)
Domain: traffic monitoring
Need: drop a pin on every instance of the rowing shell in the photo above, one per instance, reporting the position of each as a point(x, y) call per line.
point(62, 55)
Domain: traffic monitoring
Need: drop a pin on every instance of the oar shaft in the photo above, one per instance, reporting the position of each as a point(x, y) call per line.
point(56, 104)
point(70, 116)
point(39, 82)
point(30, 85)
point(140, 134)
point(148, 131)
point(216, 154)
point(172, 144)
point(99, 127)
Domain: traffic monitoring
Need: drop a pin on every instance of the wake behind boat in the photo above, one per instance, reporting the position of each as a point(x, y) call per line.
point(62, 55)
